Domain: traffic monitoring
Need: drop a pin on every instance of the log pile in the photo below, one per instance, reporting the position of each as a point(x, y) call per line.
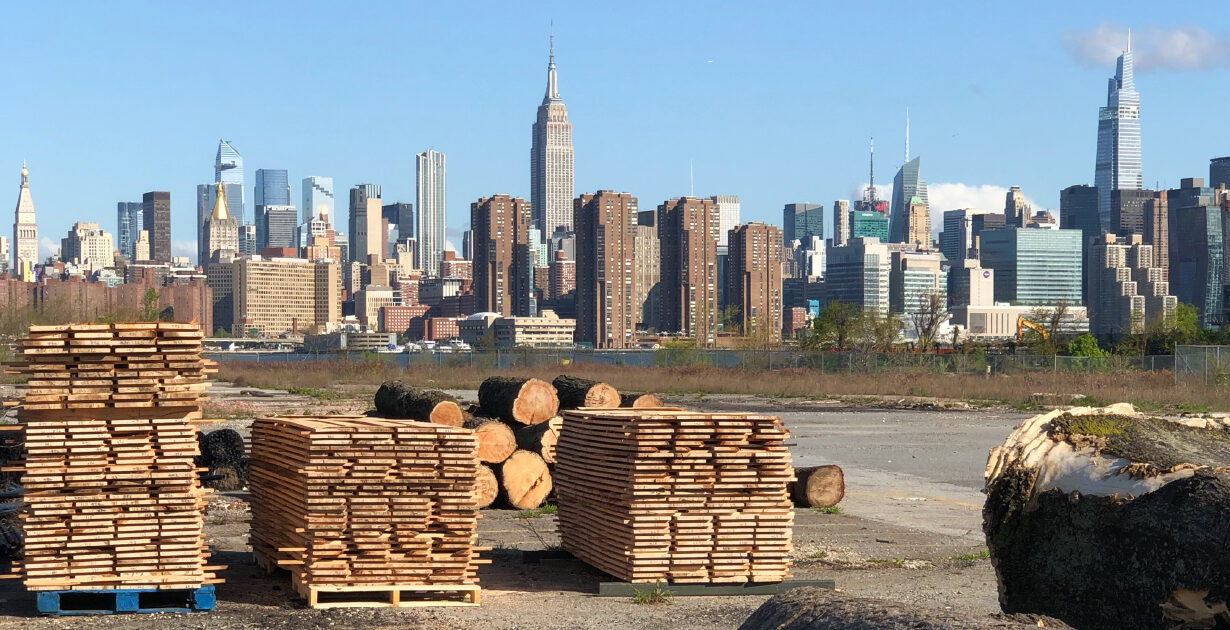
point(113, 498)
point(362, 502)
point(575, 393)
point(676, 496)
point(1107, 518)
point(397, 400)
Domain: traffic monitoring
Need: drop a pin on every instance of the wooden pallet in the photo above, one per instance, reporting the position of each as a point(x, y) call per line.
point(113, 500)
point(355, 504)
point(674, 496)
point(115, 601)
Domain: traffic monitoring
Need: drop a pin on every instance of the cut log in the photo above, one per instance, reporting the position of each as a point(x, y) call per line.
point(638, 400)
point(397, 400)
point(495, 439)
point(581, 392)
point(524, 479)
point(487, 487)
point(541, 438)
point(1083, 499)
point(820, 609)
point(518, 400)
point(818, 486)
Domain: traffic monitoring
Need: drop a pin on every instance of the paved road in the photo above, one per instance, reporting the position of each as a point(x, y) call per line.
point(911, 468)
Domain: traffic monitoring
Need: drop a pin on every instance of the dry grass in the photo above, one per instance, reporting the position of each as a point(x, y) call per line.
point(1151, 391)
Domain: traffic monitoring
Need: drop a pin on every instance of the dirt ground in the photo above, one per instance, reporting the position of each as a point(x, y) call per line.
point(903, 536)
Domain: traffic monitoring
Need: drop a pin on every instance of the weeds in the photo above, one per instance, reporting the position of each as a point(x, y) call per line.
point(312, 392)
point(817, 555)
point(832, 509)
point(982, 554)
point(652, 596)
point(543, 510)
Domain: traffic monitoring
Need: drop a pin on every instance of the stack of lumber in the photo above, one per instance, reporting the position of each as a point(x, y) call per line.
point(112, 495)
point(651, 495)
point(357, 503)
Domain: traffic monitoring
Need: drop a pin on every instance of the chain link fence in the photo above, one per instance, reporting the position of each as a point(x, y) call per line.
point(1209, 365)
point(827, 362)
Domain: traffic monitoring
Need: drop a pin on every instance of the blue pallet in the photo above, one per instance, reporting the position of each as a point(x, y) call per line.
point(135, 600)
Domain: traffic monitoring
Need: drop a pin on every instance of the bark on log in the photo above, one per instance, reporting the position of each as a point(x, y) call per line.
point(524, 480)
point(818, 486)
point(638, 400)
point(396, 400)
point(1106, 518)
point(487, 488)
point(518, 400)
point(822, 609)
point(495, 439)
point(581, 392)
point(541, 438)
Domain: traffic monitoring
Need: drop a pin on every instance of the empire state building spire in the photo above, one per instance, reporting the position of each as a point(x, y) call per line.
point(551, 159)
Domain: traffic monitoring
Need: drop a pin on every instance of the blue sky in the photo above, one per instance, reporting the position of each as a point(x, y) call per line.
point(107, 100)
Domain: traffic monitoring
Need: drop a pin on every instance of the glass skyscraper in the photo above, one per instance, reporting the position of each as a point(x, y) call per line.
point(430, 189)
point(868, 223)
point(801, 221)
point(1198, 258)
point(1118, 160)
point(228, 169)
point(128, 219)
point(1034, 265)
point(318, 198)
point(906, 185)
point(272, 187)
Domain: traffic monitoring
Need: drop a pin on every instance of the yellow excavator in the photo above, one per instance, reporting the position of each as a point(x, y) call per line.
point(1022, 324)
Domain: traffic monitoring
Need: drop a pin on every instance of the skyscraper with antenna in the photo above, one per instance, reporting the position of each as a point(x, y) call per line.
point(908, 189)
point(551, 183)
point(1118, 162)
point(871, 201)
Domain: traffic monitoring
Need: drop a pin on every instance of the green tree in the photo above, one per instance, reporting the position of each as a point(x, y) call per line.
point(149, 305)
point(1085, 346)
point(732, 319)
point(220, 332)
point(834, 327)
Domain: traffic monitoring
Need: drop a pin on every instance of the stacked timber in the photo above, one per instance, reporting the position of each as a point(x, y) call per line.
point(651, 495)
point(356, 503)
point(112, 497)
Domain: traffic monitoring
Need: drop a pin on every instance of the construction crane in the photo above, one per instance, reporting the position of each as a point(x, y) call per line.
point(1022, 324)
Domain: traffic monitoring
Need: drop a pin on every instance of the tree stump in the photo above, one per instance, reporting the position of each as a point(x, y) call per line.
point(495, 439)
point(1106, 518)
point(638, 400)
point(818, 486)
point(524, 480)
point(580, 392)
point(518, 400)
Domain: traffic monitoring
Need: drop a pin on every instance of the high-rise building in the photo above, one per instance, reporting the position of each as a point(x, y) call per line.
point(728, 216)
point(957, 237)
point(869, 224)
point(801, 221)
point(400, 214)
point(912, 279)
point(647, 270)
point(430, 195)
point(1157, 231)
point(366, 237)
point(247, 240)
point(25, 232)
point(1197, 260)
point(221, 232)
point(1034, 266)
point(1118, 163)
point(272, 187)
point(5, 258)
point(1078, 210)
point(907, 185)
point(561, 277)
point(754, 279)
point(285, 295)
point(551, 159)
point(969, 284)
point(276, 226)
point(918, 223)
point(1017, 211)
point(688, 235)
point(858, 273)
point(88, 247)
point(128, 223)
point(538, 245)
point(503, 265)
point(1127, 211)
point(1126, 288)
point(467, 245)
point(141, 247)
point(318, 198)
point(453, 267)
point(206, 199)
point(605, 268)
point(980, 223)
point(228, 169)
point(156, 219)
point(1219, 172)
point(841, 222)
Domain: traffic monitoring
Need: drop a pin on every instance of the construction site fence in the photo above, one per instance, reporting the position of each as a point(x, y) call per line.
point(827, 362)
point(1209, 365)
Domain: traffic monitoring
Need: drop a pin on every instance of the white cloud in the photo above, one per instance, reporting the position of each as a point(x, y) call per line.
point(1187, 47)
point(184, 248)
point(986, 198)
point(47, 247)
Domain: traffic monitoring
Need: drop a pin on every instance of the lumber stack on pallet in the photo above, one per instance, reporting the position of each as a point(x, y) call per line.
point(651, 495)
point(112, 494)
point(356, 503)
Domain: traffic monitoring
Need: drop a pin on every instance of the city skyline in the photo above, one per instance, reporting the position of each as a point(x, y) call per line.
point(968, 154)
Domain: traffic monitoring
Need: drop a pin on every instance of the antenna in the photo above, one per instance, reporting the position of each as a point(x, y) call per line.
point(1129, 43)
point(691, 179)
point(907, 134)
point(871, 186)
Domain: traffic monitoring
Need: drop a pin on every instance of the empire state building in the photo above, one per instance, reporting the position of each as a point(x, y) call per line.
point(551, 160)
